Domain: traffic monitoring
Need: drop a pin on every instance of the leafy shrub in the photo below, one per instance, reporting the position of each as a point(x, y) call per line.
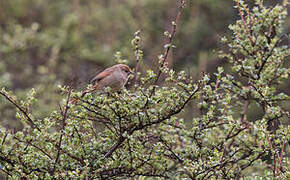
point(137, 132)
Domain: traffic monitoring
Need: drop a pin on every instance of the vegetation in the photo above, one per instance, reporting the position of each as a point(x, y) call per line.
point(140, 131)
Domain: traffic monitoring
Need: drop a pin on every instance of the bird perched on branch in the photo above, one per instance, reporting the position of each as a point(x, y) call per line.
point(114, 77)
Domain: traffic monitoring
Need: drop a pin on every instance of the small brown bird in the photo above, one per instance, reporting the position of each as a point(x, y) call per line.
point(114, 77)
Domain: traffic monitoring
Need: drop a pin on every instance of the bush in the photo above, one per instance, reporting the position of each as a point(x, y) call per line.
point(138, 133)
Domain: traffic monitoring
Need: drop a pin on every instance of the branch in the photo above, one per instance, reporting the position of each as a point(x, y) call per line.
point(115, 146)
point(281, 153)
point(244, 23)
point(137, 57)
point(266, 58)
point(134, 128)
point(21, 110)
point(245, 110)
point(30, 143)
point(168, 47)
point(169, 149)
point(64, 114)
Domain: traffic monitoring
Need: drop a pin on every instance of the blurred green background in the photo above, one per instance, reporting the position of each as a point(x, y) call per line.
point(47, 43)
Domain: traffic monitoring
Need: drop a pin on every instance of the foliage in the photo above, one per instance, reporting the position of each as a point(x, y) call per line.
point(46, 43)
point(137, 132)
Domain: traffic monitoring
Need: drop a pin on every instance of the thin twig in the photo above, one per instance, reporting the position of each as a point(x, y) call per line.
point(281, 153)
point(169, 149)
point(244, 23)
point(64, 114)
point(245, 110)
point(21, 110)
point(137, 57)
point(167, 49)
point(30, 143)
point(170, 40)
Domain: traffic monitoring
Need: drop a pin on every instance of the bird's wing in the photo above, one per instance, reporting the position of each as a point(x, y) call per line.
point(101, 75)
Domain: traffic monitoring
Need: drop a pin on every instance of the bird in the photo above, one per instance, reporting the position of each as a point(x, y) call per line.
point(114, 77)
